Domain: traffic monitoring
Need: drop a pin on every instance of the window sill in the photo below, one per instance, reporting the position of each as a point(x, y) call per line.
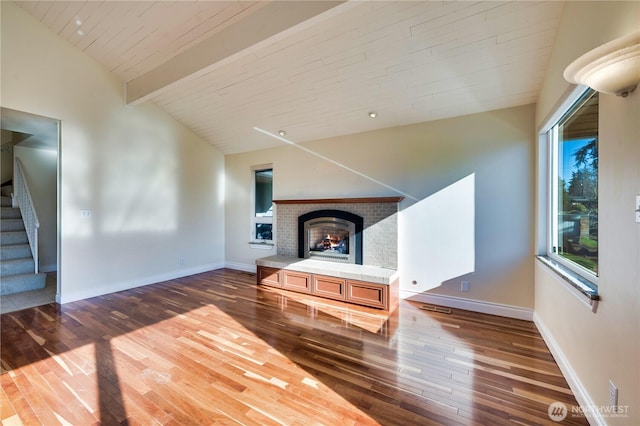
point(261, 245)
point(574, 280)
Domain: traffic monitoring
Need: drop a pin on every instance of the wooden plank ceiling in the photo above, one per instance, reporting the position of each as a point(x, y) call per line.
point(314, 69)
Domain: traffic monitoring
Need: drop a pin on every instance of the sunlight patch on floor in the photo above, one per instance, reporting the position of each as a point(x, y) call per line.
point(235, 357)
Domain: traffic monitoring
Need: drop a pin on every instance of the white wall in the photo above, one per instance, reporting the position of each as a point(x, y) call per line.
point(155, 190)
point(468, 211)
point(40, 169)
point(597, 347)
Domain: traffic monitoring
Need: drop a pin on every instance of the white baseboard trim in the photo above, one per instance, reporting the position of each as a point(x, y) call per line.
point(241, 267)
point(127, 285)
point(579, 391)
point(508, 311)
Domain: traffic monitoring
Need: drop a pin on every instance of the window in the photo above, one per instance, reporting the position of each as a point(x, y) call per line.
point(262, 216)
point(573, 187)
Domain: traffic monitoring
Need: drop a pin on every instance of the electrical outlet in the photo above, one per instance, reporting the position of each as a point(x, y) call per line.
point(464, 285)
point(638, 208)
point(613, 394)
point(85, 213)
point(181, 260)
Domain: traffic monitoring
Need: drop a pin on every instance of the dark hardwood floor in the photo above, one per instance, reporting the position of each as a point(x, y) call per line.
point(215, 349)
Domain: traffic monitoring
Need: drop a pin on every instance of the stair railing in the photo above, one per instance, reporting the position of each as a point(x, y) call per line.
point(27, 209)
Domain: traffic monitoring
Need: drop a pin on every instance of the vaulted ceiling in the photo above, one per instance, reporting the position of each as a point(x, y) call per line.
point(314, 69)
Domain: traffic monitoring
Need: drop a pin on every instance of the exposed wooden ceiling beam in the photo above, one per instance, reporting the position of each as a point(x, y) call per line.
point(267, 25)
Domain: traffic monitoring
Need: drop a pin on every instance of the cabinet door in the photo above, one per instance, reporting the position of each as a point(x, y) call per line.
point(368, 294)
point(329, 287)
point(296, 281)
point(269, 276)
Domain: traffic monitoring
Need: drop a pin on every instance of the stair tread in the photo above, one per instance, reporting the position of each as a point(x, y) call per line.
point(12, 224)
point(22, 282)
point(23, 275)
point(21, 265)
point(13, 237)
point(18, 260)
point(12, 248)
point(14, 251)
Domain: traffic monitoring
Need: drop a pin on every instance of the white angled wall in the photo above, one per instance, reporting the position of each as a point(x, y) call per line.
point(154, 189)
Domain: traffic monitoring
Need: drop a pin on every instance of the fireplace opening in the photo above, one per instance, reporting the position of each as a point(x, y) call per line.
point(329, 238)
point(331, 235)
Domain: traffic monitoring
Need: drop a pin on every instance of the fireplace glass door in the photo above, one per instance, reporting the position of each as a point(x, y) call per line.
point(330, 238)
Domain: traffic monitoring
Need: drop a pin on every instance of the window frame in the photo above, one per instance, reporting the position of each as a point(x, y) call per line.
point(255, 219)
point(548, 136)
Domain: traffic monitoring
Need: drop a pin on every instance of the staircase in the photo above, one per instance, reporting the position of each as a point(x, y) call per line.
point(16, 261)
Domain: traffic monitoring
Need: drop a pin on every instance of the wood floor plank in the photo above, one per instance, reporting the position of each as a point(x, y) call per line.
point(214, 348)
point(7, 410)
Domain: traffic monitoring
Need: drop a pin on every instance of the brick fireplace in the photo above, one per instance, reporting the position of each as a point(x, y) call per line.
point(378, 236)
point(344, 249)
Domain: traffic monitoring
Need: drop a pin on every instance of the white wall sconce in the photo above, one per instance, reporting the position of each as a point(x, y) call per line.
point(613, 68)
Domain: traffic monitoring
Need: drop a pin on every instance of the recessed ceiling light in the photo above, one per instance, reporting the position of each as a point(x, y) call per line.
point(78, 21)
point(282, 132)
point(80, 33)
point(373, 114)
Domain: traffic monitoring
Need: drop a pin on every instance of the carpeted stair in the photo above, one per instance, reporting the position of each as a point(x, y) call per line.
point(16, 262)
point(5, 195)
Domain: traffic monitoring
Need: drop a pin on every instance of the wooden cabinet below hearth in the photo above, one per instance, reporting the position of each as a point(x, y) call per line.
point(381, 296)
point(368, 294)
point(329, 287)
point(296, 281)
point(269, 276)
